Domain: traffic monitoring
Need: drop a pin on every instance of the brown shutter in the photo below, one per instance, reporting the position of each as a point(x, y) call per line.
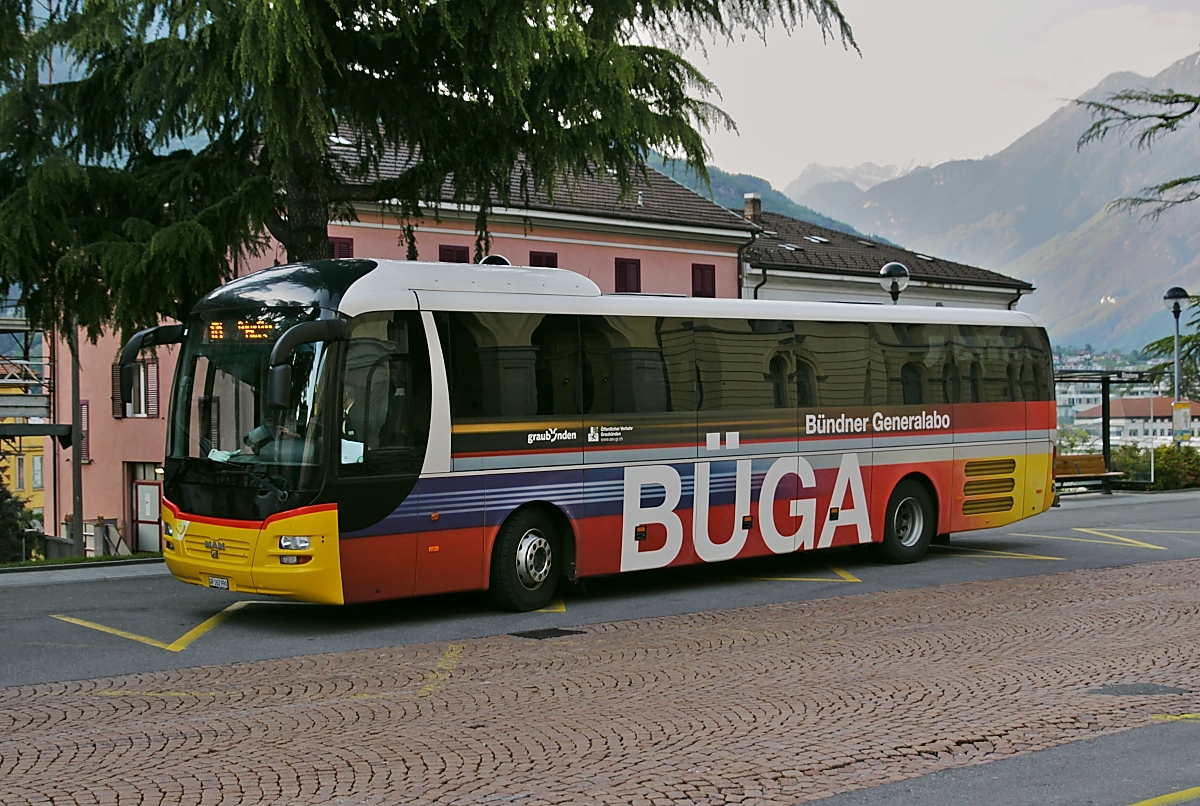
point(341, 247)
point(118, 408)
point(84, 419)
point(704, 280)
point(152, 388)
point(629, 276)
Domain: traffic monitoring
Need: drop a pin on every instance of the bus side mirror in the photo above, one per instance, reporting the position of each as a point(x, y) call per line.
point(279, 386)
point(279, 377)
point(150, 337)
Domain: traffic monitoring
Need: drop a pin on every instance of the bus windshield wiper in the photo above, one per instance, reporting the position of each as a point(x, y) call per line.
point(263, 480)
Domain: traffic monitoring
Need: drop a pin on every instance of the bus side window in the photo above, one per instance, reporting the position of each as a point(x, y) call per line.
point(385, 402)
point(624, 367)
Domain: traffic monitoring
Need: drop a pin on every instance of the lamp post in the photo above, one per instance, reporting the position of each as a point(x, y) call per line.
point(894, 279)
point(1174, 300)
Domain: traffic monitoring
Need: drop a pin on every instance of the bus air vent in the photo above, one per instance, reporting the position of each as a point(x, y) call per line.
point(989, 486)
point(991, 467)
point(978, 506)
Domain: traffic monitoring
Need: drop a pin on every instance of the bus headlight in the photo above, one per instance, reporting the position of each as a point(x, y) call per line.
point(294, 542)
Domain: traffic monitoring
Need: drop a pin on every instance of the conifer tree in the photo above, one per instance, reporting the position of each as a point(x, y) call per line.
point(234, 120)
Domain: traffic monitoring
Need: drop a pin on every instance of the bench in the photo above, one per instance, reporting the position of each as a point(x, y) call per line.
point(1078, 471)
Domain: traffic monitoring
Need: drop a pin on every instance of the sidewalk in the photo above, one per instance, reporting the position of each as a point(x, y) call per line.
point(83, 572)
point(768, 705)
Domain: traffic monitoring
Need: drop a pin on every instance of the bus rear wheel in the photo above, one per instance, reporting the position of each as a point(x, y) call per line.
point(526, 561)
point(909, 524)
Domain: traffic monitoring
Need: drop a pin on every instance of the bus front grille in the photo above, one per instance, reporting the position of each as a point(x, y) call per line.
point(990, 467)
point(230, 550)
point(978, 506)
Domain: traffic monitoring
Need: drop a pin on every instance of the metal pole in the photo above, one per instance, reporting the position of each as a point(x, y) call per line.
point(76, 446)
point(1175, 310)
point(1105, 420)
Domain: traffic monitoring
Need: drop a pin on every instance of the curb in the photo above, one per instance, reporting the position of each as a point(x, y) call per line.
point(71, 566)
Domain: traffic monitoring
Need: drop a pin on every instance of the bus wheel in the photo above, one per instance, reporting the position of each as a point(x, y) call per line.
point(909, 525)
point(525, 561)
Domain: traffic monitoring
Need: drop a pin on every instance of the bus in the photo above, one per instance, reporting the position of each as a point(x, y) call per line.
point(346, 431)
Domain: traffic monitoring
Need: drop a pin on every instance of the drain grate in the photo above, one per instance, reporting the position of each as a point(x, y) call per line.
point(1138, 690)
point(549, 632)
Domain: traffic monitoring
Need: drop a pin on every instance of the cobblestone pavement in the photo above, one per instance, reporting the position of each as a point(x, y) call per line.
point(774, 704)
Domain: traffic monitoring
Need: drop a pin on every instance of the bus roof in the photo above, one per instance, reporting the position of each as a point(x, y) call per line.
point(395, 285)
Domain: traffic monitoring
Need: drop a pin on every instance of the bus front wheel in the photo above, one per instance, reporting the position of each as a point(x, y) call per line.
point(525, 561)
point(909, 524)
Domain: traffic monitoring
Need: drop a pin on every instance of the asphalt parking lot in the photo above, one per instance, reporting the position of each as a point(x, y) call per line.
point(142, 619)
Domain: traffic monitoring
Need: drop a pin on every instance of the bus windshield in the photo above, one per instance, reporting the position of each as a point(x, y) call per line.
point(220, 415)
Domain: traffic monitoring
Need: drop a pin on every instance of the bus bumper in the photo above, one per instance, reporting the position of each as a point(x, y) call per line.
point(245, 556)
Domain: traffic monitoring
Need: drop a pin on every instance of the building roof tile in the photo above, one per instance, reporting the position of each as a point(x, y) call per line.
point(791, 244)
point(655, 198)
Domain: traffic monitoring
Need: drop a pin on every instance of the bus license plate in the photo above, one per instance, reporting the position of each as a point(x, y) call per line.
point(218, 582)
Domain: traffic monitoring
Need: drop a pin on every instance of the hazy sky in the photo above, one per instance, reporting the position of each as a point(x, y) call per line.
point(937, 79)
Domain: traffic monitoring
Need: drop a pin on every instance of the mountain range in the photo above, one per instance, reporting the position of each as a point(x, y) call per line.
point(1039, 211)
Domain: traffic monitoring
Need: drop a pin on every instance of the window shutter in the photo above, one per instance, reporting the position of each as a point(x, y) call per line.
point(629, 276)
point(704, 280)
point(341, 247)
point(118, 408)
point(152, 388)
point(448, 253)
point(545, 260)
point(84, 420)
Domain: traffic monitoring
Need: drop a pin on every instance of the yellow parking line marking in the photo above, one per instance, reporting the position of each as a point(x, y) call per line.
point(179, 644)
point(1175, 717)
point(1128, 540)
point(843, 576)
point(557, 606)
point(1064, 537)
point(1012, 555)
point(1182, 796)
point(1162, 531)
point(114, 631)
point(437, 678)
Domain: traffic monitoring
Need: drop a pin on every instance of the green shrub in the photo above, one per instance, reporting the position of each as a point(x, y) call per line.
point(1134, 461)
point(1176, 469)
point(14, 517)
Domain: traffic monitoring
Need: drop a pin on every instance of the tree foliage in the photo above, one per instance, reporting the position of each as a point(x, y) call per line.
point(1144, 116)
point(14, 518)
point(1189, 354)
point(198, 127)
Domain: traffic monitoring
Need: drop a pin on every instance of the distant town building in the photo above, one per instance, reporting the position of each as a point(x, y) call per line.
point(1138, 420)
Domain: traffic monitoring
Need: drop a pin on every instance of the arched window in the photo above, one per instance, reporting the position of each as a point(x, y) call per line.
point(806, 386)
point(778, 375)
point(1013, 383)
point(951, 383)
point(976, 383)
point(910, 383)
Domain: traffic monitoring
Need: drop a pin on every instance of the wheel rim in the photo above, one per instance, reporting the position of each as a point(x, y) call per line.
point(909, 522)
point(533, 559)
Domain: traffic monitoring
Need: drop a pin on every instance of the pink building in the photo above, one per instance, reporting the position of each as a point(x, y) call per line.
point(662, 238)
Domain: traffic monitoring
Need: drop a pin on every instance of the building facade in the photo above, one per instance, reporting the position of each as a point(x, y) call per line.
point(660, 239)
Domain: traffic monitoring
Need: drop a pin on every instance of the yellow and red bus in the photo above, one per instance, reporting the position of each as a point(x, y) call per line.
point(357, 430)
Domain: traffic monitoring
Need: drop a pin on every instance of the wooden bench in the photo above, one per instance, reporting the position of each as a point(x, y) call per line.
point(1078, 471)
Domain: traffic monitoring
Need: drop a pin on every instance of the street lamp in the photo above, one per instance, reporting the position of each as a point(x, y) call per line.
point(894, 279)
point(1174, 300)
